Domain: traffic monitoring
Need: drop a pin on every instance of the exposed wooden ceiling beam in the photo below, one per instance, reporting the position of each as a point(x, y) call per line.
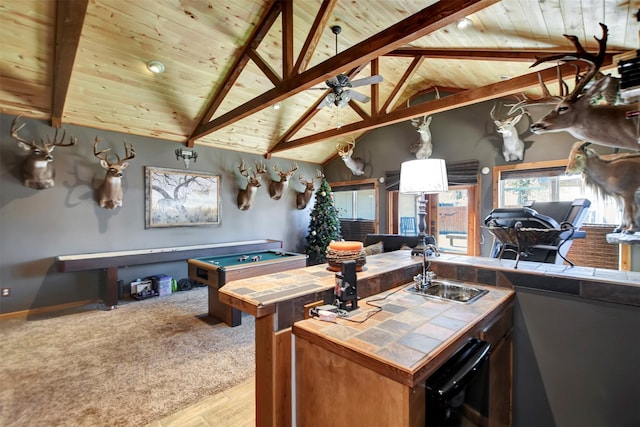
point(416, 26)
point(358, 109)
point(315, 33)
point(287, 40)
point(264, 67)
point(260, 32)
point(456, 100)
point(69, 21)
point(525, 55)
point(375, 89)
point(403, 83)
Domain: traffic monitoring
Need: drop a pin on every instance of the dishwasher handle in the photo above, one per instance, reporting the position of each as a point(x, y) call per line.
point(466, 371)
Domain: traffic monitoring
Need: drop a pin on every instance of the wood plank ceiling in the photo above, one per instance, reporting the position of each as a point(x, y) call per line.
point(228, 62)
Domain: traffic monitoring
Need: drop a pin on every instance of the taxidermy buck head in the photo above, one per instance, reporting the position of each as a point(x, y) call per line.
point(110, 192)
point(356, 165)
point(302, 199)
point(276, 188)
point(423, 148)
point(617, 176)
point(575, 112)
point(245, 197)
point(37, 168)
point(512, 145)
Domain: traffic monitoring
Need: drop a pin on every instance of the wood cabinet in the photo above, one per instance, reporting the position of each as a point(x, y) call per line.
point(339, 376)
point(499, 333)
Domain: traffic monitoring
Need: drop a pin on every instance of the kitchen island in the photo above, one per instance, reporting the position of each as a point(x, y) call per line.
point(378, 359)
point(278, 300)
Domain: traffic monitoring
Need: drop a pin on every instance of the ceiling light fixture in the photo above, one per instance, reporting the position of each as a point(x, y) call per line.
point(156, 67)
point(464, 23)
point(277, 106)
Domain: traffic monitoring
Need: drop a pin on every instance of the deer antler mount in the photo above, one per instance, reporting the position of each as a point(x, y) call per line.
point(37, 169)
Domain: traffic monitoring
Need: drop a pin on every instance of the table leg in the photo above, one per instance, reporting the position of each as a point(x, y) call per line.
point(264, 371)
point(219, 310)
point(109, 291)
point(282, 378)
point(273, 374)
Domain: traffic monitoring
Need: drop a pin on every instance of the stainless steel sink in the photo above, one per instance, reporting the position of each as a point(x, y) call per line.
point(448, 291)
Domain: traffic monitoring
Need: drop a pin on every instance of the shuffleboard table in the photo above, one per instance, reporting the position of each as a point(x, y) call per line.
point(216, 271)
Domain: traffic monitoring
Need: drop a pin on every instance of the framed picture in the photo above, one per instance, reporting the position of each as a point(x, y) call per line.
point(179, 198)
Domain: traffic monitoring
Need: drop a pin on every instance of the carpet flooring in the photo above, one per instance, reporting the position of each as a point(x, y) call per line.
point(126, 367)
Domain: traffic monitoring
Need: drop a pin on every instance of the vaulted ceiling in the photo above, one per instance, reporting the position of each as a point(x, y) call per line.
point(228, 62)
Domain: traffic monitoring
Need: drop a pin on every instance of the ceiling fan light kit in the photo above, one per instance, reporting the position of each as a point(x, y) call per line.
point(341, 87)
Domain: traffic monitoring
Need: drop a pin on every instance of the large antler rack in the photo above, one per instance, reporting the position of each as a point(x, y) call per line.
point(594, 63)
point(104, 154)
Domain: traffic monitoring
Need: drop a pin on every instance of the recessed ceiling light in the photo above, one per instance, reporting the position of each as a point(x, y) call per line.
point(464, 23)
point(277, 106)
point(155, 67)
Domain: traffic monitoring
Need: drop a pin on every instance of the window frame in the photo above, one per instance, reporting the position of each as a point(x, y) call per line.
point(624, 250)
point(366, 184)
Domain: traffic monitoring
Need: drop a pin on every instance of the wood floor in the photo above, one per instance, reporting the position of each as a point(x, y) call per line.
point(235, 407)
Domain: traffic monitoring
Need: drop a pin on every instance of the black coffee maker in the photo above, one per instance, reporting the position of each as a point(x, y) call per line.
point(346, 289)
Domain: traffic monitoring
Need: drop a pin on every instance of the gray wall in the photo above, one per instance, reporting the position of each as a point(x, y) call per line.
point(575, 362)
point(38, 225)
point(461, 134)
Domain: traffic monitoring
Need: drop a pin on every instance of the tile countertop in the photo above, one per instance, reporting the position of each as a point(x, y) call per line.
point(407, 332)
point(270, 289)
point(546, 269)
point(598, 284)
point(594, 283)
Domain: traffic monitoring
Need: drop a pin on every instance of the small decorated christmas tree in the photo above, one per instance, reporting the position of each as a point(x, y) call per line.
point(324, 225)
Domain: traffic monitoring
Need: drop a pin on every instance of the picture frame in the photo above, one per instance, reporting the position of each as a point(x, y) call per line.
point(180, 198)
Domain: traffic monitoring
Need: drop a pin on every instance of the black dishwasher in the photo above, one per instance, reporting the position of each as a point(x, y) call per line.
point(458, 392)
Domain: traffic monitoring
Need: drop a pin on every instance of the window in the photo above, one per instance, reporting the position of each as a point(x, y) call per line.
point(550, 184)
point(357, 205)
point(516, 184)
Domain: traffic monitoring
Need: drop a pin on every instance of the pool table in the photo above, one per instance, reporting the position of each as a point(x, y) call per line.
point(216, 271)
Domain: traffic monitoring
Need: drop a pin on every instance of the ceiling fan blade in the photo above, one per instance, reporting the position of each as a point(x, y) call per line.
point(376, 78)
point(358, 96)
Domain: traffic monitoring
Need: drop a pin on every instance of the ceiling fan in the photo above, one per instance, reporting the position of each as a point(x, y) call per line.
point(341, 87)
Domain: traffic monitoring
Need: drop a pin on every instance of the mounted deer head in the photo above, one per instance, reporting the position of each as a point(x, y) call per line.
point(575, 113)
point(276, 188)
point(302, 199)
point(110, 192)
point(423, 148)
point(356, 165)
point(245, 197)
point(512, 145)
point(37, 168)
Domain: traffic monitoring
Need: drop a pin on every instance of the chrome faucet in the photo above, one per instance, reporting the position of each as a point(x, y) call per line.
point(423, 281)
point(433, 247)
